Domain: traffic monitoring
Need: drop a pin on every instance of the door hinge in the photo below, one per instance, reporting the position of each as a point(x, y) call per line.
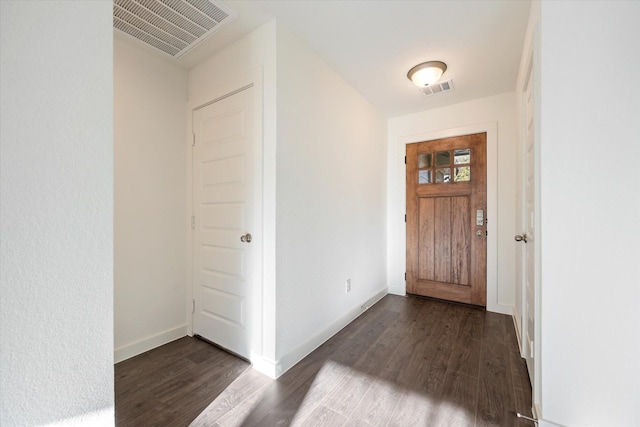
point(405, 160)
point(405, 276)
point(193, 306)
point(405, 217)
point(193, 222)
point(193, 140)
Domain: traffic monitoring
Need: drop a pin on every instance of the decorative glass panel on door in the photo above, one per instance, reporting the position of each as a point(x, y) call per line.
point(424, 161)
point(461, 157)
point(443, 158)
point(462, 173)
point(424, 177)
point(443, 175)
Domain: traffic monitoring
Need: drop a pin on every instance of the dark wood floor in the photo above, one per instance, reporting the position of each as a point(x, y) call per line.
point(405, 362)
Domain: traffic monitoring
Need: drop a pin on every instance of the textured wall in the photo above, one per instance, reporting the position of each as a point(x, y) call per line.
point(149, 201)
point(56, 309)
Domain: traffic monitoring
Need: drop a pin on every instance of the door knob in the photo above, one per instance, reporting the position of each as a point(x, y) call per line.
point(246, 238)
point(521, 238)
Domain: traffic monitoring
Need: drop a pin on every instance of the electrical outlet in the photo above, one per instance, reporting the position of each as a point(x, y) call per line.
point(348, 285)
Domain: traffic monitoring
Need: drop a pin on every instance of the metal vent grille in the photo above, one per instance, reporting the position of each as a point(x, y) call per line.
point(172, 26)
point(445, 86)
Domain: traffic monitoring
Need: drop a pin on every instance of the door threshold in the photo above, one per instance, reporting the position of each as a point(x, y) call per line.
point(447, 301)
point(226, 350)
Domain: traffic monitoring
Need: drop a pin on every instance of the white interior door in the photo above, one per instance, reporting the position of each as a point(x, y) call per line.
point(223, 247)
point(529, 236)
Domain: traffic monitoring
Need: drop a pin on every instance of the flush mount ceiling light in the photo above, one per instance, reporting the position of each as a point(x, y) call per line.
point(427, 73)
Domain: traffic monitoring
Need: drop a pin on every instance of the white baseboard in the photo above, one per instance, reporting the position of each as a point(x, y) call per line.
point(500, 309)
point(537, 411)
point(288, 361)
point(265, 366)
point(516, 324)
point(401, 291)
point(138, 347)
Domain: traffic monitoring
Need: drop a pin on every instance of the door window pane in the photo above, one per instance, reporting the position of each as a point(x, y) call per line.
point(462, 173)
point(443, 158)
point(462, 156)
point(424, 161)
point(443, 175)
point(424, 177)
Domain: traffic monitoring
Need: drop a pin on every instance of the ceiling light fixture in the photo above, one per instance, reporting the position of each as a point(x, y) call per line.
point(427, 73)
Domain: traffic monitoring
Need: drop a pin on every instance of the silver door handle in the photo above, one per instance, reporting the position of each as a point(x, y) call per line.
point(246, 238)
point(521, 238)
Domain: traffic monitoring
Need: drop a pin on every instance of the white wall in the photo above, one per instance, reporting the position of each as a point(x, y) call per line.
point(56, 180)
point(235, 65)
point(149, 204)
point(590, 213)
point(328, 176)
point(331, 198)
point(493, 111)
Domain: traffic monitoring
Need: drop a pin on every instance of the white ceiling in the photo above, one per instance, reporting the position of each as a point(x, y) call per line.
point(373, 43)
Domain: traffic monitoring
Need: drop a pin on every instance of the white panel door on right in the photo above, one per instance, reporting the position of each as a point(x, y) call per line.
point(530, 233)
point(222, 207)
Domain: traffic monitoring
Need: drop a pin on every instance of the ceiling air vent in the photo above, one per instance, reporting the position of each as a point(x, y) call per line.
point(172, 26)
point(440, 87)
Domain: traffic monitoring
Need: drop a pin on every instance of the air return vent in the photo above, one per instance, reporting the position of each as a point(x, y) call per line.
point(440, 87)
point(172, 26)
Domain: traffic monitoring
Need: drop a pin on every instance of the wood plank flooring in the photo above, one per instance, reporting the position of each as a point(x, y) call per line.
point(405, 362)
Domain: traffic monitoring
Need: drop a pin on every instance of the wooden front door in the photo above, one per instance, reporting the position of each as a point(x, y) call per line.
point(446, 219)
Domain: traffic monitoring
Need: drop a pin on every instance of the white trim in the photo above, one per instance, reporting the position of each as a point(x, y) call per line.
point(265, 366)
point(491, 128)
point(521, 214)
point(542, 422)
point(149, 343)
point(500, 309)
point(536, 411)
point(274, 370)
point(516, 324)
point(538, 239)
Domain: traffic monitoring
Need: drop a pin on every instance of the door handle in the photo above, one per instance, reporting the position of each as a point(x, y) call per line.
point(521, 237)
point(246, 238)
